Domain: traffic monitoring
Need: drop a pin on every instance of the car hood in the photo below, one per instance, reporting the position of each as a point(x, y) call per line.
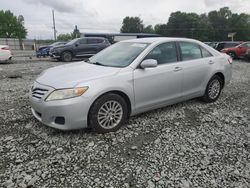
point(61, 46)
point(70, 75)
point(42, 47)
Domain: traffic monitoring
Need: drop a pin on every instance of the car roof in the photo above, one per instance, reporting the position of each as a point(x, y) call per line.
point(159, 39)
point(92, 38)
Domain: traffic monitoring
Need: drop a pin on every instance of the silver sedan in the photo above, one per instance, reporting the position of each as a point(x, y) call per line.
point(126, 79)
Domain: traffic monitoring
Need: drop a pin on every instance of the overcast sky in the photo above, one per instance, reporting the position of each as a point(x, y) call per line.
point(105, 15)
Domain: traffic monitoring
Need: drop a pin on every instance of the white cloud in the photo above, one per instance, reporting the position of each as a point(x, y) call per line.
point(106, 16)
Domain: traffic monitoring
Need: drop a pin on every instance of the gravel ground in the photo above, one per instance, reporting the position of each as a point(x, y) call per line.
point(190, 144)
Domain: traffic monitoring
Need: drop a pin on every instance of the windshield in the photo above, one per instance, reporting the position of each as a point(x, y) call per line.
point(56, 43)
point(118, 55)
point(72, 42)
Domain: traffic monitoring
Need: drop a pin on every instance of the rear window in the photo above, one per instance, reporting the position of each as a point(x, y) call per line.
point(205, 53)
point(190, 51)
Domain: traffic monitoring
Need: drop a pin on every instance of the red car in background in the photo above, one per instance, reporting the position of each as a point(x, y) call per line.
point(247, 55)
point(238, 51)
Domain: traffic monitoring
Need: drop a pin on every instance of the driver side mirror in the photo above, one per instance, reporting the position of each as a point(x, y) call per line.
point(76, 44)
point(148, 63)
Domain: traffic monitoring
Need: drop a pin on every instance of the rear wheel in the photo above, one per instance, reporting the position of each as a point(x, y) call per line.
point(67, 56)
point(108, 113)
point(213, 89)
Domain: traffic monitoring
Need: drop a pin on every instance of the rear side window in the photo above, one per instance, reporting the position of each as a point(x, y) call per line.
point(95, 41)
point(83, 41)
point(164, 53)
point(205, 53)
point(190, 51)
point(228, 45)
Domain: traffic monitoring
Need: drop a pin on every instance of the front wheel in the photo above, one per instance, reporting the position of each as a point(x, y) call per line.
point(67, 56)
point(108, 113)
point(213, 89)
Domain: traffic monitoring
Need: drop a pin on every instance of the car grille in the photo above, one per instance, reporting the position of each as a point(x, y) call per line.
point(38, 93)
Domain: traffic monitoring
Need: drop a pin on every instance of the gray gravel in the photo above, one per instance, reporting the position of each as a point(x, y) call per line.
point(190, 144)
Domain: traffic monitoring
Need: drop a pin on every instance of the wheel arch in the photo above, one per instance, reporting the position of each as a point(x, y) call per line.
point(67, 50)
point(118, 92)
point(221, 75)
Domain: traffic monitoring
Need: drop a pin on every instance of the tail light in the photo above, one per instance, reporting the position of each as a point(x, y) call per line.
point(5, 48)
point(230, 60)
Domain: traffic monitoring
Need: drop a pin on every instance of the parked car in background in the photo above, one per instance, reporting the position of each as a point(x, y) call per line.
point(212, 44)
point(226, 44)
point(43, 51)
point(247, 55)
point(237, 51)
point(80, 47)
point(128, 78)
point(5, 53)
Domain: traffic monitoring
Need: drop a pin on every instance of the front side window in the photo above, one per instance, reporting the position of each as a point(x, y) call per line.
point(190, 51)
point(164, 53)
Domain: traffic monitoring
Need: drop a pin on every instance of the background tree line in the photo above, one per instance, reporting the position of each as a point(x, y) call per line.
point(11, 26)
point(213, 26)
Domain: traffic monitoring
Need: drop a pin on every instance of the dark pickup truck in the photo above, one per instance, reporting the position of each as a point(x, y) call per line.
point(80, 47)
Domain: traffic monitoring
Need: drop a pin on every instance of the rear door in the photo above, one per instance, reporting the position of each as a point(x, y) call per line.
point(94, 45)
point(81, 47)
point(197, 64)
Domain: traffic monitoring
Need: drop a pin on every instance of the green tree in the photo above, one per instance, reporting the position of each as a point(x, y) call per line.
point(213, 26)
point(132, 25)
point(219, 22)
point(11, 26)
point(191, 25)
point(149, 29)
point(240, 23)
point(65, 37)
point(161, 29)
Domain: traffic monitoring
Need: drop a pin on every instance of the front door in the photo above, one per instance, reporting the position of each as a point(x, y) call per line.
point(160, 85)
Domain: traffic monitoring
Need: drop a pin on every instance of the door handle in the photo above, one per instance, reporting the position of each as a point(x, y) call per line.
point(176, 69)
point(210, 62)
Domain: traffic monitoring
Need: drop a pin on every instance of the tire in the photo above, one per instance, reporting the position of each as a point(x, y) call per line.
point(67, 56)
point(213, 89)
point(233, 55)
point(101, 118)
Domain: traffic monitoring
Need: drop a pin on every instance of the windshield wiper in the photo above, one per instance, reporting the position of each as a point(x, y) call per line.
point(95, 63)
point(98, 63)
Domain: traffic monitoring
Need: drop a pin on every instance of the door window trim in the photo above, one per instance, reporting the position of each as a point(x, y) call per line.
point(179, 48)
point(177, 54)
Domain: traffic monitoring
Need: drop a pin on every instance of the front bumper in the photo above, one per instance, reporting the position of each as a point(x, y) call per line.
point(54, 55)
point(74, 112)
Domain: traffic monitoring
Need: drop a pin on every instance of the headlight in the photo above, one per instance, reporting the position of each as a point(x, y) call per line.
point(66, 93)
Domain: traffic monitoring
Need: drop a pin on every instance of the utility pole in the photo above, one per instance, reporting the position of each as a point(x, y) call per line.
point(54, 24)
